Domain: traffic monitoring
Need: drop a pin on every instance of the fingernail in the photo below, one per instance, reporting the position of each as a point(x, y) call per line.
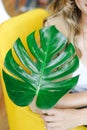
point(45, 127)
point(42, 117)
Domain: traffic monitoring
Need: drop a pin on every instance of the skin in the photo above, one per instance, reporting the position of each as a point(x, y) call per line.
point(64, 116)
point(63, 119)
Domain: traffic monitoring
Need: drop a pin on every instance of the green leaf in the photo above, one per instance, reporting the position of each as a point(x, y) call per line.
point(55, 60)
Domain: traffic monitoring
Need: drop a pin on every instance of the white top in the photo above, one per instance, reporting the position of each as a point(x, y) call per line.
point(82, 82)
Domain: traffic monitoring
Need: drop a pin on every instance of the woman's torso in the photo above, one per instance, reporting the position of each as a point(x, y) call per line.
point(82, 82)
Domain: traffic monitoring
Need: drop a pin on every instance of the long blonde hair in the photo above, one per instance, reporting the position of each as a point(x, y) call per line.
point(72, 16)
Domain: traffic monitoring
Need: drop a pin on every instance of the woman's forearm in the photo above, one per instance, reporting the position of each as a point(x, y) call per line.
point(83, 116)
point(73, 100)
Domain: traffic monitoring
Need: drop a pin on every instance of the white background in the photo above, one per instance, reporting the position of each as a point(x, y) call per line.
point(3, 14)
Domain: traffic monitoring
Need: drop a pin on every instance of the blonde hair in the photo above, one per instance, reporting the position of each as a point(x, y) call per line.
point(71, 14)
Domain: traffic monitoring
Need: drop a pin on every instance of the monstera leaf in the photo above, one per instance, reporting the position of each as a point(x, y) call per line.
point(46, 77)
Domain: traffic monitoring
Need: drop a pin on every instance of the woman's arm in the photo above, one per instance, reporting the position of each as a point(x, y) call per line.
point(73, 100)
point(70, 100)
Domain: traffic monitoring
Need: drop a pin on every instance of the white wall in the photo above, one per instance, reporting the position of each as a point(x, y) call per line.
point(3, 14)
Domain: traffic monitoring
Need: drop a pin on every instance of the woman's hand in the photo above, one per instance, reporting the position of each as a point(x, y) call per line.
point(61, 119)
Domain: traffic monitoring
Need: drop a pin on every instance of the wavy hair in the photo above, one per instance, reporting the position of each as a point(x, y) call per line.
point(72, 16)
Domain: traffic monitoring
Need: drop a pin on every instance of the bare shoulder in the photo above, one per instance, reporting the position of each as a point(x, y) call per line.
point(59, 23)
point(54, 20)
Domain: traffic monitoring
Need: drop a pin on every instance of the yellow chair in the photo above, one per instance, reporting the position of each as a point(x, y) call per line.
point(21, 118)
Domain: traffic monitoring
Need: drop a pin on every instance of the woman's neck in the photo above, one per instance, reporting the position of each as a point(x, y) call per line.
point(84, 22)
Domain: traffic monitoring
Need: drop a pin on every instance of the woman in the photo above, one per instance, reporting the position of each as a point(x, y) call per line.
point(70, 17)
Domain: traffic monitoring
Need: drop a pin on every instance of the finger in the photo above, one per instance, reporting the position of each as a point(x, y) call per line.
point(49, 112)
point(51, 125)
point(49, 128)
point(45, 127)
point(49, 118)
point(55, 126)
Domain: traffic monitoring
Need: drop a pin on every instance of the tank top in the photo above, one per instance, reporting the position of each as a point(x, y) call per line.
point(82, 82)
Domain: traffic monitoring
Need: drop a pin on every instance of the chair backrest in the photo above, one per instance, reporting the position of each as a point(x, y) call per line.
point(20, 26)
